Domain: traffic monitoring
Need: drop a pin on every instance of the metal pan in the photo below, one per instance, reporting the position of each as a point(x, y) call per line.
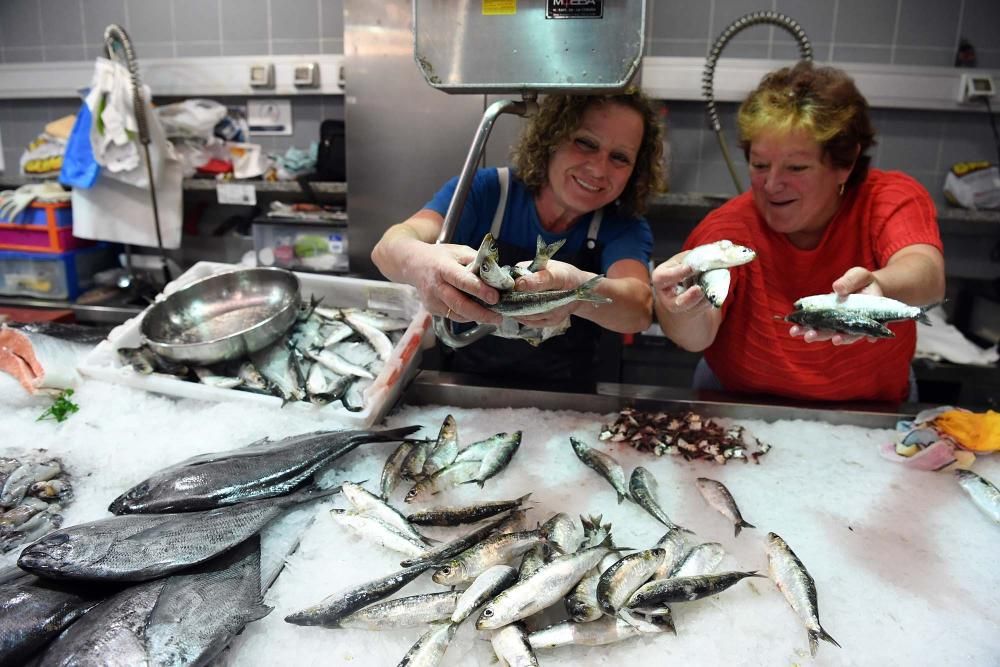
point(224, 316)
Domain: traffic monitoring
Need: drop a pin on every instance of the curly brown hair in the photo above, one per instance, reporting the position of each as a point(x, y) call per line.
point(821, 100)
point(559, 116)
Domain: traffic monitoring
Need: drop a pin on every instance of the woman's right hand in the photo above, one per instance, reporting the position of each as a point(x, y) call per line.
point(666, 277)
point(441, 276)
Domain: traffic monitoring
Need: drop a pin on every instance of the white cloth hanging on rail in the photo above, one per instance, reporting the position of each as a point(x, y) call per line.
point(118, 207)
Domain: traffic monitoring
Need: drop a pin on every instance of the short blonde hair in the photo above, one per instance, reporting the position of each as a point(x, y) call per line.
point(824, 102)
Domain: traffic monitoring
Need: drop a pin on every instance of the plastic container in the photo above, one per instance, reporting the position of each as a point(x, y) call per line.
point(301, 245)
point(45, 227)
point(401, 300)
point(52, 276)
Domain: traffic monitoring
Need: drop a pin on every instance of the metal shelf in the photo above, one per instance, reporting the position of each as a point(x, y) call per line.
point(320, 187)
point(83, 312)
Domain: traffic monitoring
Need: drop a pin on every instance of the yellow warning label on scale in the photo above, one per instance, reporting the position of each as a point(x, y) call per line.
point(499, 7)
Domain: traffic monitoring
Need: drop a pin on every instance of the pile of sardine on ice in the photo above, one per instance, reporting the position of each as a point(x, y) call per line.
point(175, 574)
point(329, 355)
point(33, 490)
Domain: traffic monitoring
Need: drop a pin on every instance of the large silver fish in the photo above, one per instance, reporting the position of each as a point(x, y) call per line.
point(33, 611)
point(197, 614)
point(602, 464)
point(261, 470)
point(983, 493)
point(112, 634)
point(136, 547)
point(797, 585)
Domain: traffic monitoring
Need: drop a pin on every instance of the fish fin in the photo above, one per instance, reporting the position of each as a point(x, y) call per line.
point(743, 524)
point(922, 317)
point(585, 292)
point(523, 499)
point(814, 636)
point(621, 496)
point(257, 612)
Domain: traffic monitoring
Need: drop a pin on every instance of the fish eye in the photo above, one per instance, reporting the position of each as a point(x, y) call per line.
point(446, 570)
point(487, 612)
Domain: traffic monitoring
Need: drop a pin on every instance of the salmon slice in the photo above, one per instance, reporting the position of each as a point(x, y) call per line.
point(17, 358)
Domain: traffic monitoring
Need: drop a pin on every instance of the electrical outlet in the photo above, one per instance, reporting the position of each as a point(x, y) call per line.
point(974, 87)
point(306, 75)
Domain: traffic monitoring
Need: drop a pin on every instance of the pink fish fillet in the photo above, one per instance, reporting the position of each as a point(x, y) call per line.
point(17, 358)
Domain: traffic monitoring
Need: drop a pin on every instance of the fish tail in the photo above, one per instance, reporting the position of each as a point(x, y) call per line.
point(741, 525)
point(922, 317)
point(621, 496)
point(394, 434)
point(585, 292)
point(312, 492)
point(815, 636)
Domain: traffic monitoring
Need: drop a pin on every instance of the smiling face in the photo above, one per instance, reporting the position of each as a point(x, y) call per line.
point(591, 169)
point(795, 187)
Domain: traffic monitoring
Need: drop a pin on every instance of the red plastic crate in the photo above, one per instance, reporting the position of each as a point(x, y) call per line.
point(42, 227)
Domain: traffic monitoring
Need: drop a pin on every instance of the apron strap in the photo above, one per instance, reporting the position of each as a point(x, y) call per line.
point(595, 226)
point(503, 174)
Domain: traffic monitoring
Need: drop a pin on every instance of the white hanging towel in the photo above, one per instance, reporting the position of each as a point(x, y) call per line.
point(118, 207)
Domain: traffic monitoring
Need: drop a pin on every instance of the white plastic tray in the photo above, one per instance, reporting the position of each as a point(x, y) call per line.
point(337, 292)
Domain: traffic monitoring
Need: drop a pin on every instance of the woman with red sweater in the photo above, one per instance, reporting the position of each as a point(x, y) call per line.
point(820, 220)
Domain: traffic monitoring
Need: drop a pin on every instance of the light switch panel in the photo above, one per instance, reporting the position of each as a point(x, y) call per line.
point(262, 76)
point(307, 75)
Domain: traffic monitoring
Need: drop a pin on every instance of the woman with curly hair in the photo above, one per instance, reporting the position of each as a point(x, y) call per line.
point(820, 221)
point(583, 171)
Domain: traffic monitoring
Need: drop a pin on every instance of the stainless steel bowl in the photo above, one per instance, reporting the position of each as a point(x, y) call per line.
point(223, 316)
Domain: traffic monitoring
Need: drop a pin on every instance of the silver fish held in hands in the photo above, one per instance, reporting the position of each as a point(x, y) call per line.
point(855, 314)
point(722, 254)
point(984, 494)
point(797, 585)
point(520, 304)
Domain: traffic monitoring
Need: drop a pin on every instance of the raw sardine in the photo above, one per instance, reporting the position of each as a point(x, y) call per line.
point(719, 255)
point(454, 516)
point(684, 589)
point(604, 465)
point(329, 611)
point(643, 486)
point(406, 612)
point(717, 495)
point(520, 304)
point(983, 493)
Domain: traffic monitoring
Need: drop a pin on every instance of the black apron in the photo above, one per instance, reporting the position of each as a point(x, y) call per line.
point(569, 357)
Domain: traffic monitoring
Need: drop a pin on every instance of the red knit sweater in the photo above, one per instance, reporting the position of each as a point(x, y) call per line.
point(754, 353)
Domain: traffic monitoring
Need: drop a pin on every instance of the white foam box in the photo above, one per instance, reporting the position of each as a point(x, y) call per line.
point(336, 292)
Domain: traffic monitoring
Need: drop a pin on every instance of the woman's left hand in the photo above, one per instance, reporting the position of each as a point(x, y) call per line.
point(856, 280)
point(555, 276)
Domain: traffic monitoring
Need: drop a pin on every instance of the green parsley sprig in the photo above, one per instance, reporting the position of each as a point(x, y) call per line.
point(62, 407)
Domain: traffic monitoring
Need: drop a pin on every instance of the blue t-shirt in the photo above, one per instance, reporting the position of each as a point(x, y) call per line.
point(621, 237)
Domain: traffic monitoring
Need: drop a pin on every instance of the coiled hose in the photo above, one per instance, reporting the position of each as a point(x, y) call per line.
point(708, 77)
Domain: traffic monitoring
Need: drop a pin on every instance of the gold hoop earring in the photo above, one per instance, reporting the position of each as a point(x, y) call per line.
point(842, 189)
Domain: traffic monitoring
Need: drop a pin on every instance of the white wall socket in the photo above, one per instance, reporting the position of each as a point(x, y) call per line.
point(974, 87)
